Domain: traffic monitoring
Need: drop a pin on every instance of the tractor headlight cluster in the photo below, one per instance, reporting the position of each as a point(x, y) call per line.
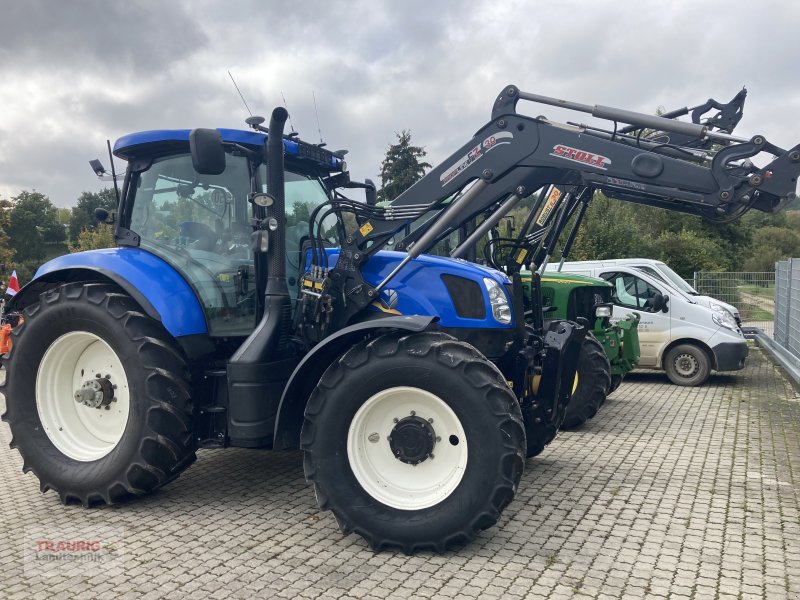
point(501, 310)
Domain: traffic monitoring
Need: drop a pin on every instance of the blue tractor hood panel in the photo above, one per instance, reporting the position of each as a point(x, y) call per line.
point(137, 270)
point(126, 147)
point(421, 290)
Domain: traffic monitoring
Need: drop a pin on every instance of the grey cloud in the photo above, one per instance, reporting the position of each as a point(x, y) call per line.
point(114, 38)
point(375, 67)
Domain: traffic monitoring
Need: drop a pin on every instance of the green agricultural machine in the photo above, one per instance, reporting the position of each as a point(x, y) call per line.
point(609, 350)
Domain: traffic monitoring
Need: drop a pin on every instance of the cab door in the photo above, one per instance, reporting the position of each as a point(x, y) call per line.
point(630, 292)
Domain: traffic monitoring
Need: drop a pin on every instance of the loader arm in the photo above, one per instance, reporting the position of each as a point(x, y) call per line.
point(514, 155)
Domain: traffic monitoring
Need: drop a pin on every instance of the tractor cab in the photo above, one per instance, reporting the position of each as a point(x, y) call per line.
point(201, 224)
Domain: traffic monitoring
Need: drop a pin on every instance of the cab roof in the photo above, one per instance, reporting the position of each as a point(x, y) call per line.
point(159, 141)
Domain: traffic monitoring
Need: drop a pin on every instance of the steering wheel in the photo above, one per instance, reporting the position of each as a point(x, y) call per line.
point(202, 235)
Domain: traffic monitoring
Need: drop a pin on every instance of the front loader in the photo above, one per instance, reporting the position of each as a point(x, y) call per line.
point(250, 303)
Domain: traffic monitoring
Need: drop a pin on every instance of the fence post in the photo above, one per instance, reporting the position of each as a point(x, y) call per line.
point(694, 280)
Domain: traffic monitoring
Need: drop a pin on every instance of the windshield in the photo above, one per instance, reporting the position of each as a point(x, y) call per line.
point(675, 280)
point(200, 224)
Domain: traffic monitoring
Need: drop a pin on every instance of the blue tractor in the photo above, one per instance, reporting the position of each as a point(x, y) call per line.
point(249, 303)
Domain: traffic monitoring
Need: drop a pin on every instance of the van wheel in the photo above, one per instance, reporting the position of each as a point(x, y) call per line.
point(687, 364)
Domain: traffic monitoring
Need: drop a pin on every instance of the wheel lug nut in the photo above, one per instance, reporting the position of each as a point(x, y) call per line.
point(413, 413)
point(438, 438)
point(430, 455)
point(396, 420)
point(430, 420)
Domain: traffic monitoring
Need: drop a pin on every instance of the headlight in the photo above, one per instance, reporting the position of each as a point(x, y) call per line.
point(722, 310)
point(602, 311)
point(501, 311)
point(723, 321)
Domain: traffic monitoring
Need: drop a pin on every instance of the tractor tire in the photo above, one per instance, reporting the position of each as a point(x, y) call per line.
point(594, 383)
point(616, 381)
point(413, 441)
point(687, 364)
point(97, 396)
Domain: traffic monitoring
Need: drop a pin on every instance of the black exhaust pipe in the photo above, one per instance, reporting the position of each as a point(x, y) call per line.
point(259, 369)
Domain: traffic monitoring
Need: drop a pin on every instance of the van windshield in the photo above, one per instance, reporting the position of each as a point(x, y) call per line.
point(676, 280)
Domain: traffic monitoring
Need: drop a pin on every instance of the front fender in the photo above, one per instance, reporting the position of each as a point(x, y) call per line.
point(307, 374)
point(159, 289)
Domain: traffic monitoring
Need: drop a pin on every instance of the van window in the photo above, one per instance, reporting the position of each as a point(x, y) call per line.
point(631, 291)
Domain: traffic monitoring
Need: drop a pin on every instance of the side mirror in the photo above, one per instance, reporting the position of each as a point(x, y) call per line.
point(104, 216)
point(208, 154)
point(371, 192)
point(658, 303)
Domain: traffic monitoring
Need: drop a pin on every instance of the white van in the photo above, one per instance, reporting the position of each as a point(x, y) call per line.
point(676, 333)
point(667, 275)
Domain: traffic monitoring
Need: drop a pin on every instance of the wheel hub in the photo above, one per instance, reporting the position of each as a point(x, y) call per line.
point(96, 393)
point(686, 365)
point(412, 440)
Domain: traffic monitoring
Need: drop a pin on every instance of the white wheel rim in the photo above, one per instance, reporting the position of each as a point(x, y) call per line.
point(388, 479)
point(81, 432)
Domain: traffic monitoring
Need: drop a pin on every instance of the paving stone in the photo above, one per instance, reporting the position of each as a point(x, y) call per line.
point(667, 492)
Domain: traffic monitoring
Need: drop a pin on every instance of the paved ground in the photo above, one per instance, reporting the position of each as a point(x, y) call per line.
point(669, 492)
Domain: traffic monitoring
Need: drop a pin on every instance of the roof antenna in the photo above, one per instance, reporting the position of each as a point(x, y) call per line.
point(287, 108)
point(319, 130)
point(240, 93)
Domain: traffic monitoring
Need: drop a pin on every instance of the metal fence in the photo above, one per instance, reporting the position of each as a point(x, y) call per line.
point(752, 293)
point(787, 305)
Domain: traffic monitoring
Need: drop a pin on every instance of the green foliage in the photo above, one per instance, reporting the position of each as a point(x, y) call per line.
point(771, 244)
point(613, 229)
point(402, 167)
point(32, 223)
point(82, 216)
point(687, 251)
point(94, 239)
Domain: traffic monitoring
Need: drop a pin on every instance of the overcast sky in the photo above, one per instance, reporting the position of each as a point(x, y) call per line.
point(73, 74)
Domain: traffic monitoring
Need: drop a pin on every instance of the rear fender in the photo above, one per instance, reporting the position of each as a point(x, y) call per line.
point(308, 373)
point(155, 285)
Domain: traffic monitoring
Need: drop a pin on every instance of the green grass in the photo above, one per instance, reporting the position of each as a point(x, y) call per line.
point(758, 290)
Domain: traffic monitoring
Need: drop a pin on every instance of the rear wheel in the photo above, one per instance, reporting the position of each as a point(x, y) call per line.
point(413, 441)
point(593, 386)
point(687, 364)
point(97, 396)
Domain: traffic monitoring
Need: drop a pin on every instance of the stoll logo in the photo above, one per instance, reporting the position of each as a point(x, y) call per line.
point(581, 156)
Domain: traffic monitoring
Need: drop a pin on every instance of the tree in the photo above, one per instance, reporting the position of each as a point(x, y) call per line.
point(83, 212)
point(32, 223)
point(402, 167)
point(94, 239)
point(771, 244)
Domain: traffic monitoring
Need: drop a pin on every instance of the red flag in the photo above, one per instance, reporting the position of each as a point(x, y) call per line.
point(13, 284)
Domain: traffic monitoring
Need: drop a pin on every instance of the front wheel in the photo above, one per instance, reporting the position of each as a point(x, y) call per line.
point(593, 384)
point(687, 364)
point(97, 396)
point(414, 441)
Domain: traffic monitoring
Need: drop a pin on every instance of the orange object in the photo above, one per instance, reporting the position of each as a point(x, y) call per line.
point(5, 338)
